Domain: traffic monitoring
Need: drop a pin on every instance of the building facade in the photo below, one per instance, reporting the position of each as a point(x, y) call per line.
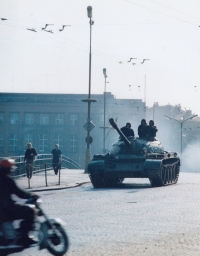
point(169, 131)
point(47, 119)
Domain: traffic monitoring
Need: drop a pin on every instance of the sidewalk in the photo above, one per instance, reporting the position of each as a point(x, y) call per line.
point(69, 178)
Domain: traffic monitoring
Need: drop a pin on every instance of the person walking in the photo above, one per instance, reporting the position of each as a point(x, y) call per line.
point(29, 158)
point(56, 158)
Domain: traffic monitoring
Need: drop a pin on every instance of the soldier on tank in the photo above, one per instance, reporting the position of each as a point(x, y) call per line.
point(141, 130)
point(127, 131)
point(150, 130)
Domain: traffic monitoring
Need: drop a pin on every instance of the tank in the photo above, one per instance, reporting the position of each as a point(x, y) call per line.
point(134, 158)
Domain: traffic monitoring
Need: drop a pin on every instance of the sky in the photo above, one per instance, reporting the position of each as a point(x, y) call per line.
point(165, 32)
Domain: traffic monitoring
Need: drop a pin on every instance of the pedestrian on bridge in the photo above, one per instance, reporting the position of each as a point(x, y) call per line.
point(29, 158)
point(56, 158)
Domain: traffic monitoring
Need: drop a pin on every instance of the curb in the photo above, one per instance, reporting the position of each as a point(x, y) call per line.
point(51, 189)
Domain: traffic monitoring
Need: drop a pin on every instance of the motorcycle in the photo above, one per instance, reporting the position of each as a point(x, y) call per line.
point(48, 232)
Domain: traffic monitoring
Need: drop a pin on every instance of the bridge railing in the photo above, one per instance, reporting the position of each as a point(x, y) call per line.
point(43, 162)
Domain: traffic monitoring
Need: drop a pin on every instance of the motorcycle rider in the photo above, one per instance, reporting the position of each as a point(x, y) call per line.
point(8, 207)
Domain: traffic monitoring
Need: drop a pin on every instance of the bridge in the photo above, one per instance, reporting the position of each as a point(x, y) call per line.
point(43, 162)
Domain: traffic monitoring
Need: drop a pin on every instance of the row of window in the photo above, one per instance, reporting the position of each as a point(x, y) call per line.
point(43, 142)
point(29, 118)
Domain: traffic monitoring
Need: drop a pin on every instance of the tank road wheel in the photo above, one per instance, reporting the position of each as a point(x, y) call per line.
point(97, 179)
point(163, 173)
point(170, 174)
point(158, 181)
point(155, 182)
point(167, 174)
point(177, 170)
point(173, 173)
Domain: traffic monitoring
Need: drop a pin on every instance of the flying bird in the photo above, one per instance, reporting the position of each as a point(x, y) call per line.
point(46, 26)
point(3, 19)
point(120, 62)
point(50, 31)
point(131, 59)
point(144, 60)
point(31, 29)
point(64, 27)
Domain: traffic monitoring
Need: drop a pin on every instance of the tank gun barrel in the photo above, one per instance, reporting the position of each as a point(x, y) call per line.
point(114, 125)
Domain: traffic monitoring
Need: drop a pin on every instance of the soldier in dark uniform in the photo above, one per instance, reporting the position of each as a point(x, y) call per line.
point(153, 129)
point(141, 128)
point(150, 130)
point(127, 131)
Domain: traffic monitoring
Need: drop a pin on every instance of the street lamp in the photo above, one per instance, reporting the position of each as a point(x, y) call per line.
point(181, 122)
point(88, 125)
point(104, 123)
point(104, 127)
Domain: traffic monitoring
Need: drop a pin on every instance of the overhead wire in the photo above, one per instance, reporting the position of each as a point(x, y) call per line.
point(175, 10)
point(159, 12)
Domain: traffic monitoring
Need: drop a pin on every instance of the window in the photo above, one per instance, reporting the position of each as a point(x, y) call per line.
point(73, 119)
point(13, 142)
point(29, 118)
point(1, 118)
point(73, 143)
point(1, 142)
point(28, 138)
point(59, 119)
point(44, 119)
point(58, 139)
point(14, 118)
point(43, 143)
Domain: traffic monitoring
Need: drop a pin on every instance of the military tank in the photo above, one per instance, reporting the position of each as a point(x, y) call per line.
point(134, 158)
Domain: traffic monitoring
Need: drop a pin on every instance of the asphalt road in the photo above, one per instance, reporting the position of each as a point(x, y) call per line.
point(133, 219)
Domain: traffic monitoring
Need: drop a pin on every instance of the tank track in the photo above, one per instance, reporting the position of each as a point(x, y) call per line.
point(168, 175)
point(99, 180)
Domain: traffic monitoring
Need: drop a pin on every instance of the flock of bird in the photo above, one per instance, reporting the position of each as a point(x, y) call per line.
point(133, 63)
point(45, 27)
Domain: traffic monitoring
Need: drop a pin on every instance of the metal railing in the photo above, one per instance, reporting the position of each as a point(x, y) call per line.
point(43, 162)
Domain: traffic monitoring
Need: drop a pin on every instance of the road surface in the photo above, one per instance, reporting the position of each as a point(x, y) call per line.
point(132, 219)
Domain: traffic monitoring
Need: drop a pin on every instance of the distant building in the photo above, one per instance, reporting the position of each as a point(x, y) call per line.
point(169, 131)
point(47, 119)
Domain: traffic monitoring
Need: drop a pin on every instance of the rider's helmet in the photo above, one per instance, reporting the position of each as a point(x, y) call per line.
point(7, 165)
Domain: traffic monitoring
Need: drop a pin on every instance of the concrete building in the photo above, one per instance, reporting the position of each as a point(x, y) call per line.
point(47, 119)
point(169, 131)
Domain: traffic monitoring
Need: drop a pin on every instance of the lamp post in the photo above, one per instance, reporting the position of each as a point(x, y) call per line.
point(104, 127)
point(181, 122)
point(89, 100)
point(104, 121)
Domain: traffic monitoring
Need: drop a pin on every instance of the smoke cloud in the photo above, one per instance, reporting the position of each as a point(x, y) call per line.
point(191, 158)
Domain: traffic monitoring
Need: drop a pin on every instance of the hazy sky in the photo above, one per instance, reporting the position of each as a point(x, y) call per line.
point(165, 31)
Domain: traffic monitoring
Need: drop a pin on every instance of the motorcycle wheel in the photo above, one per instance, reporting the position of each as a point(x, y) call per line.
point(57, 242)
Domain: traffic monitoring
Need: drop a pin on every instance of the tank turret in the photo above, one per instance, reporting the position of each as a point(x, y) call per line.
point(134, 158)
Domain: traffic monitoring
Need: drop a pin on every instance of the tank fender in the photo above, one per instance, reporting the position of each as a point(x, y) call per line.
point(98, 165)
point(152, 164)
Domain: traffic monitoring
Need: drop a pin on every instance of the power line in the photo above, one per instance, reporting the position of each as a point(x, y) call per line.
point(175, 9)
point(160, 12)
